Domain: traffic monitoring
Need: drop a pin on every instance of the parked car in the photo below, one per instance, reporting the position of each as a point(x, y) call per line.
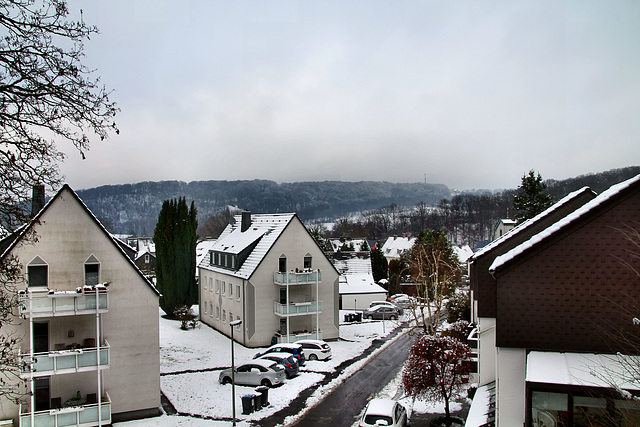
point(288, 362)
point(381, 312)
point(315, 349)
point(403, 302)
point(396, 296)
point(257, 372)
point(386, 304)
point(384, 412)
point(293, 349)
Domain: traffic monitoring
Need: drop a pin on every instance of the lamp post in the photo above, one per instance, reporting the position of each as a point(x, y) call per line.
point(233, 371)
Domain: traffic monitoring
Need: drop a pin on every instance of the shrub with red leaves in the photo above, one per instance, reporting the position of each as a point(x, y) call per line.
point(436, 370)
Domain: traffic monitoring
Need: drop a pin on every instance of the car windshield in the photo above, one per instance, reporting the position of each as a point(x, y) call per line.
point(373, 419)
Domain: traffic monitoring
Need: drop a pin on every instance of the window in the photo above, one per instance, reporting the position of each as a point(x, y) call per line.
point(238, 292)
point(224, 315)
point(282, 264)
point(38, 275)
point(224, 287)
point(217, 286)
point(307, 261)
point(230, 317)
point(210, 284)
point(210, 309)
point(217, 312)
point(146, 258)
point(230, 290)
point(205, 308)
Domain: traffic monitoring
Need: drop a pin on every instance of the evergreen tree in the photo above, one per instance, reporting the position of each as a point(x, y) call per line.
point(175, 238)
point(379, 265)
point(531, 198)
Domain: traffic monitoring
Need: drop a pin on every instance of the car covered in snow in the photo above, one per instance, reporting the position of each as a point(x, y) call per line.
point(381, 312)
point(257, 372)
point(293, 349)
point(386, 304)
point(384, 412)
point(288, 362)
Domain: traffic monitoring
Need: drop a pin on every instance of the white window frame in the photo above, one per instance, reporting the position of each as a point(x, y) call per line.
point(238, 293)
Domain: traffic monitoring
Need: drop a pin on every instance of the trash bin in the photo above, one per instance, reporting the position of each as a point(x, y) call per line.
point(352, 317)
point(346, 317)
point(257, 400)
point(247, 404)
point(274, 340)
point(264, 395)
point(358, 317)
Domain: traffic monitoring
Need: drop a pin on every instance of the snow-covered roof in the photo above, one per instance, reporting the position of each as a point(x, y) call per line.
point(564, 222)
point(352, 265)
point(336, 244)
point(463, 253)
point(203, 248)
point(526, 224)
point(582, 369)
point(265, 228)
point(395, 245)
point(359, 283)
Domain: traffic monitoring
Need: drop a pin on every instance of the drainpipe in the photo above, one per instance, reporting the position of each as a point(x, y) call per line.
point(287, 306)
point(317, 305)
point(244, 317)
point(32, 382)
point(98, 355)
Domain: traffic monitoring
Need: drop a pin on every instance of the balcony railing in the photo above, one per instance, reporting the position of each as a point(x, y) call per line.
point(298, 308)
point(84, 415)
point(64, 361)
point(283, 338)
point(297, 278)
point(62, 303)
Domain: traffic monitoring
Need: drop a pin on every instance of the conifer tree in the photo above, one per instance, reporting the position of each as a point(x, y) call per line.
point(531, 198)
point(379, 265)
point(175, 238)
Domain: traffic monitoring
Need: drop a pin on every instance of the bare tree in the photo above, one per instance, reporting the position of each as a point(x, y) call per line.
point(47, 96)
point(435, 269)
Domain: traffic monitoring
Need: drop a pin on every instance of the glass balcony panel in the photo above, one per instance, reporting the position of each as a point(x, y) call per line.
point(293, 278)
point(64, 304)
point(69, 419)
point(66, 362)
point(42, 362)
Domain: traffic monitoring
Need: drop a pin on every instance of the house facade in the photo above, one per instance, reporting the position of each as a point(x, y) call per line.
point(89, 318)
point(268, 271)
point(549, 305)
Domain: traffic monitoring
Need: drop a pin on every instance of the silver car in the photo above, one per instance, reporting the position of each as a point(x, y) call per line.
point(381, 312)
point(257, 372)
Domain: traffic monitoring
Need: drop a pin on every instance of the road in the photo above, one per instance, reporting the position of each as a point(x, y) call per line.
point(342, 407)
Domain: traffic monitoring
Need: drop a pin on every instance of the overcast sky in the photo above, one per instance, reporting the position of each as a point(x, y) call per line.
point(471, 93)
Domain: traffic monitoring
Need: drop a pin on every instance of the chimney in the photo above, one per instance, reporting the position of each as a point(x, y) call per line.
point(37, 199)
point(246, 221)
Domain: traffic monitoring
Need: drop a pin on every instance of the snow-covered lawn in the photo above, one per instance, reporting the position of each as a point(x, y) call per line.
point(191, 361)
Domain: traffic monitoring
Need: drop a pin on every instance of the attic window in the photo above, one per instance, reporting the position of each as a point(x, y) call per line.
point(307, 261)
point(282, 264)
point(92, 271)
point(37, 273)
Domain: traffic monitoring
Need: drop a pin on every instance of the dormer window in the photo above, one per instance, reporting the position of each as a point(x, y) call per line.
point(92, 271)
point(307, 261)
point(37, 273)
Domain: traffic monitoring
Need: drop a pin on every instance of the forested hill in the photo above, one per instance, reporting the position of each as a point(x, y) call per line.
point(135, 207)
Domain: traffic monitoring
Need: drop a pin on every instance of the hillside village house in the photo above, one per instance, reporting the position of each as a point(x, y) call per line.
point(395, 246)
point(89, 318)
point(268, 271)
point(357, 287)
point(548, 299)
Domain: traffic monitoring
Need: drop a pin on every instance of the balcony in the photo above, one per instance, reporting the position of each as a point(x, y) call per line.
point(293, 337)
point(83, 415)
point(66, 303)
point(297, 278)
point(64, 361)
point(297, 308)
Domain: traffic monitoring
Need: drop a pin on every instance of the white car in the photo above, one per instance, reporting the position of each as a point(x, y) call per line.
point(384, 412)
point(315, 349)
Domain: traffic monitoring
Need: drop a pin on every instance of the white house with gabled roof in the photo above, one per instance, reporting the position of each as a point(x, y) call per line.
point(88, 319)
point(269, 272)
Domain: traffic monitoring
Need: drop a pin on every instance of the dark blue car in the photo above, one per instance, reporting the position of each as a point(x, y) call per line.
point(288, 361)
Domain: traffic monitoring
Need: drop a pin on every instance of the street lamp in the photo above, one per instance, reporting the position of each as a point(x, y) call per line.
point(233, 371)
